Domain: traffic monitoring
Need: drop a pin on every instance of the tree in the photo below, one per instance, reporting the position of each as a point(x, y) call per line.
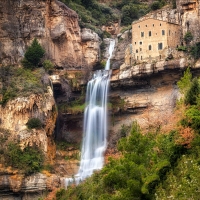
point(185, 81)
point(193, 93)
point(33, 55)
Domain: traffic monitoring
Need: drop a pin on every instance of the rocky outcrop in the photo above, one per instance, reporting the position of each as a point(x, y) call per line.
point(16, 114)
point(31, 187)
point(53, 24)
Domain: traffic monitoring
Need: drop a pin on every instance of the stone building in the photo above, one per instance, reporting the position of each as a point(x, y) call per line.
point(154, 40)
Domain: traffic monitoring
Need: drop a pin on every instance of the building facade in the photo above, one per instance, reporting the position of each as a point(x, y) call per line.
point(154, 40)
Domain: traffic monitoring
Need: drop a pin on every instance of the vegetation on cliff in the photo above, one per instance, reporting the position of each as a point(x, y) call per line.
point(18, 82)
point(33, 55)
point(28, 160)
point(150, 163)
point(93, 14)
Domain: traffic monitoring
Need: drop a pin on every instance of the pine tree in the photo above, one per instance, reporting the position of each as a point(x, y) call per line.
point(33, 55)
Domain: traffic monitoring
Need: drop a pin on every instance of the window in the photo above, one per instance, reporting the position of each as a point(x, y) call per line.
point(149, 47)
point(149, 33)
point(136, 51)
point(142, 34)
point(153, 24)
point(160, 46)
point(141, 57)
point(169, 32)
point(140, 43)
point(135, 42)
point(146, 25)
point(163, 32)
point(140, 49)
point(160, 24)
point(138, 26)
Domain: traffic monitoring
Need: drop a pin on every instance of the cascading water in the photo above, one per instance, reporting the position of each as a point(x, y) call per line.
point(95, 123)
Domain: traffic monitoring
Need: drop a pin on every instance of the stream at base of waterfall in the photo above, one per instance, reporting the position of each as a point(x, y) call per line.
point(95, 123)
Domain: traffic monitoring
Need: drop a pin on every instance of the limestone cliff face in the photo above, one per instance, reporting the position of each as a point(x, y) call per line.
point(53, 24)
point(190, 17)
point(16, 114)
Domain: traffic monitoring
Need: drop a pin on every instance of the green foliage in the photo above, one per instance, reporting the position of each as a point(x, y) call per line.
point(195, 50)
point(157, 5)
point(34, 123)
point(60, 194)
point(48, 66)
point(192, 118)
point(129, 13)
point(28, 160)
point(33, 55)
point(188, 37)
point(185, 82)
point(193, 92)
point(20, 82)
point(182, 48)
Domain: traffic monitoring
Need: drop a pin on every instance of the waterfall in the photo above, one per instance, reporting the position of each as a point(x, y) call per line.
point(95, 123)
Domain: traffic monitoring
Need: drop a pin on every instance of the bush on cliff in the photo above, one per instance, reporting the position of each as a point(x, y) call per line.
point(29, 160)
point(18, 82)
point(34, 123)
point(33, 55)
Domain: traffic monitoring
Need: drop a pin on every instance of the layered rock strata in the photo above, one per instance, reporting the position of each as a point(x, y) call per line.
point(54, 25)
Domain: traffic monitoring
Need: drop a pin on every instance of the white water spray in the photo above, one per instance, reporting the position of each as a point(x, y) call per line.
point(95, 123)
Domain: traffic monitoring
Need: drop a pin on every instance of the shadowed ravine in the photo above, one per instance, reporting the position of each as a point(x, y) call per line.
point(95, 123)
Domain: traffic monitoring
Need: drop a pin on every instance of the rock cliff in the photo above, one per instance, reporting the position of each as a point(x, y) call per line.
point(16, 114)
point(54, 25)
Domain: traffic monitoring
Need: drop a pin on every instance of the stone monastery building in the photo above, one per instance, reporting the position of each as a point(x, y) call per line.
point(154, 40)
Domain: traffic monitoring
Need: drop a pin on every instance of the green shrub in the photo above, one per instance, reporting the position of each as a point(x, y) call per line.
point(48, 66)
point(193, 93)
point(34, 123)
point(33, 55)
point(29, 160)
point(182, 48)
point(155, 5)
point(195, 50)
point(129, 13)
point(185, 81)
point(188, 37)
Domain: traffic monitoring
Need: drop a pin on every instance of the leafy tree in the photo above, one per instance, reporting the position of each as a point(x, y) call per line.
point(33, 55)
